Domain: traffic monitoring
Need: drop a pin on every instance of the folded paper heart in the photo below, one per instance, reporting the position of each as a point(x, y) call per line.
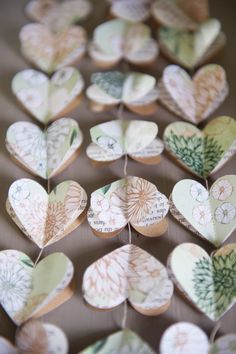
point(211, 215)
point(128, 273)
point(119, 39)
point(46, 218)
point(130, 10)
point(202, 152)
point(125, 342)
point(48, 99)
point(193, 99)
point(184, 337)
point(36, 337)
point(114, 139)
point(191, 49)
point(208, 282)
point(50, 52)
point(44, 153)
point(58, 16)
point(29, 291)
point(137, 91)
point(131, 200)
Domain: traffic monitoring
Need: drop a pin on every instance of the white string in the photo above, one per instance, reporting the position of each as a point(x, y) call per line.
point(124, 319)
point(125, 165)
point(214, 331)
point(39, 256)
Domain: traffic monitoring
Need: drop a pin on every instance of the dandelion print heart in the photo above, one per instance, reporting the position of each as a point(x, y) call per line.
point(202, 152)
point(27, 290)
point(209, 282)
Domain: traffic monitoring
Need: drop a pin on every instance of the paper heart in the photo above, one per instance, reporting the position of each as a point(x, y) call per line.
point(131, 200)
point(131, 10)
point(137, 91)
point(191, 49)
point(211, 215)
point(119, 39)
point(48, 99)
point(57, 16)
point(209, 282)
point(114, 139)
point(224, 345)
point(36, 337)
point(50, 52)
point(27, 290)
point(44, 153)
point(46, 218)
point(202, 152)
point(125, 341)
point(128, 273)
point(193, 99)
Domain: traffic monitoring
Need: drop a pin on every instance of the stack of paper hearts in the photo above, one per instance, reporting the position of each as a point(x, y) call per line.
point(130, 10)
point(118, 39)
point(137, 91)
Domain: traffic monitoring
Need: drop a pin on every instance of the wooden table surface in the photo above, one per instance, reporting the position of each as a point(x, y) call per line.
point(82, 325)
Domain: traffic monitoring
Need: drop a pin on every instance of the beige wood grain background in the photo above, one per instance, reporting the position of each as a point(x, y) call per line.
point(81, 324)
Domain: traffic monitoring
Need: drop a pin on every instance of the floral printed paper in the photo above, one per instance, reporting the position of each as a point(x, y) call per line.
point(25, 289)
point(114, 139)
point(46, 218)
point(209, 282)
point(211, 215)
point(128, 273)
point(130, 200)
point(47, 99)
point(50, 52)
point(202, 152)
point(118, 39)
point(131, 10)
point(193, 99)
point(44, 153)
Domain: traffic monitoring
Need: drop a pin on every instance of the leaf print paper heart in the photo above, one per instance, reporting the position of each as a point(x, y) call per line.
point(46, 218)
point(44, 153)
point(118, 39)
point(50, 52)
point(209, 282)
point(131, 10)
point(125, 341)
point(131, 200)
point(114, 139)
point(202, 152)
point(27, 290)
point(128, 273)
point(193, 99)
point(211, 215)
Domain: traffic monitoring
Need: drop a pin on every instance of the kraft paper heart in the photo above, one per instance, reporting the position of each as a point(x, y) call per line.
point(28, 291)
point(125, 341)
point(191, 49)
point(184, 337)
point(58, 16)
point(211, 215)
point(46, 218)
point(193, 99)
point(36, 337)
point(130, 10)
point(137, 91)
point(119, 39)
point(208, 282)
point(48, 99)
point(202, 152)
point(128, 273)
point(44, 153)
point(50, 52)
point(135, 138)
point(131, 200)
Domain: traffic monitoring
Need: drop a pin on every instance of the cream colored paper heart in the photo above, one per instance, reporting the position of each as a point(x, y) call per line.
point(211, 215)
point(208, 282)
point(193, 99)
point(48, 99)
point(131, 200)
point(44, 153)
point(50, 52)
point(43, 218)
point(131, 10)
point(202, 152)
point(128, 273)
point(27, 290)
